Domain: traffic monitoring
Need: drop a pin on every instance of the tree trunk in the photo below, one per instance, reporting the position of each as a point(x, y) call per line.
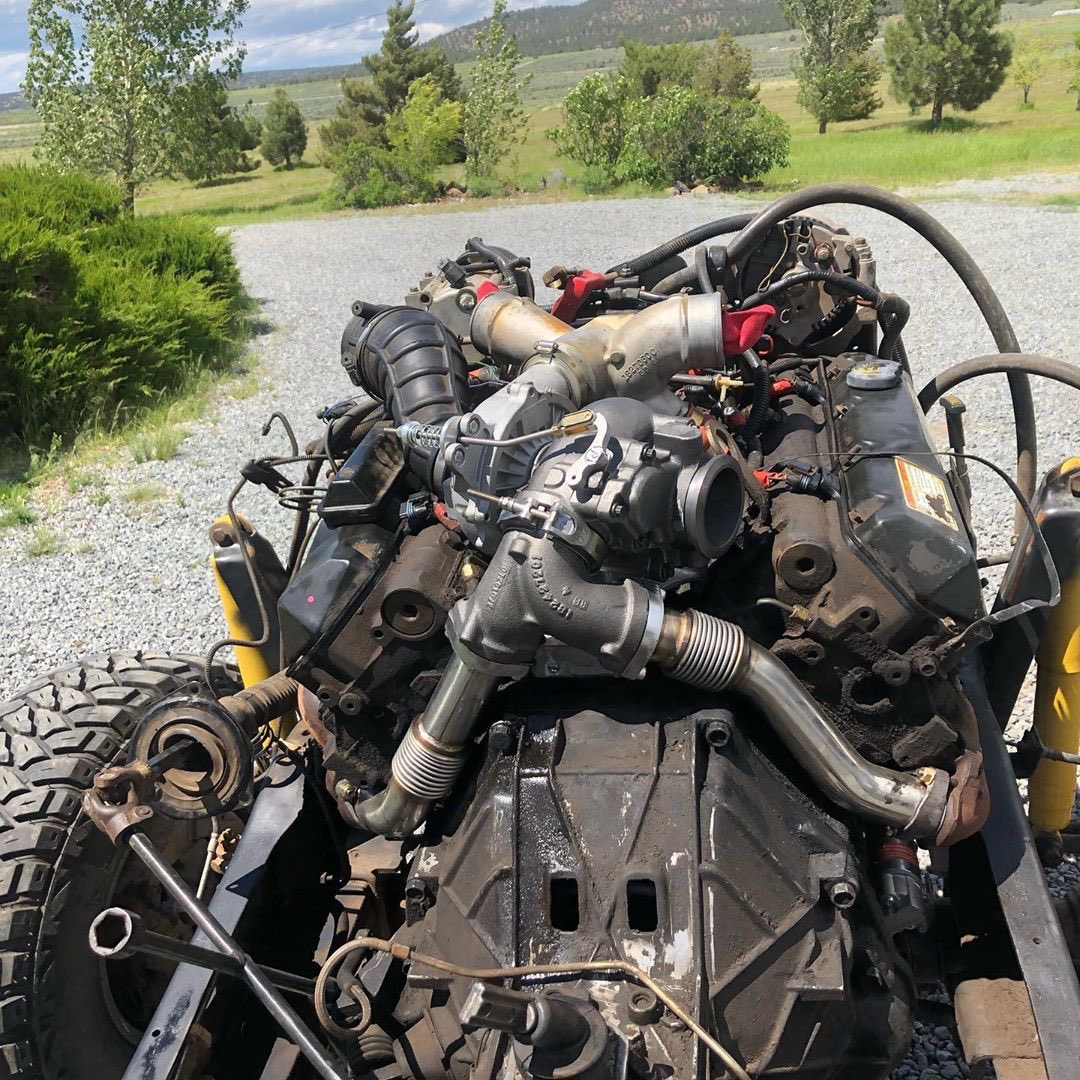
point(939, 107)
point(1027, 90)
point(822, 125)
point(1078, 102)
point(129, 196)
point(288, 160)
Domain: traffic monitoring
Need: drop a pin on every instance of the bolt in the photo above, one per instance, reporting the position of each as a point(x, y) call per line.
point(718, 733)
point(553, 668)
point(617, 510)
point(823, 252)
point(457, 459)
point(466, 301)
point(350, 703)
point(345, 790)
point(473, 426)
point(500, 736)
point(843, 893)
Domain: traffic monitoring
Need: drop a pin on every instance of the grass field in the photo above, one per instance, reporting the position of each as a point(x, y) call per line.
point(892, 149)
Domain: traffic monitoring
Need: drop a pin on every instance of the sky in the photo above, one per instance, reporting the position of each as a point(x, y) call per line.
point(286, 33)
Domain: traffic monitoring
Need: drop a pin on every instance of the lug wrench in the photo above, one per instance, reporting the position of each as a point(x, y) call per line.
point(117, 933)
point(123, 822)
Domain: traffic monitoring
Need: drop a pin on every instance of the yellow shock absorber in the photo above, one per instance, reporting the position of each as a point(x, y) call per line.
point(1052, 790)
point(238, 603)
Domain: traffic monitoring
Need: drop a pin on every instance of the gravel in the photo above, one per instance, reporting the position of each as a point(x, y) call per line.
point(132, 572)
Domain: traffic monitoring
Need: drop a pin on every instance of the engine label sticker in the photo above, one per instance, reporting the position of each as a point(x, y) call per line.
point(926, 492)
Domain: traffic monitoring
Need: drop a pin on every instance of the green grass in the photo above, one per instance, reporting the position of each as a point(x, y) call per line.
point(44, 542)
point(158, 443)
point(146, 491)
point(13, 509)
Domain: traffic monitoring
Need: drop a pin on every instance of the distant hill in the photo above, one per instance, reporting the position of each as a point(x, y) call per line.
point(603, 23)
point(291, 76)
point(12, 101)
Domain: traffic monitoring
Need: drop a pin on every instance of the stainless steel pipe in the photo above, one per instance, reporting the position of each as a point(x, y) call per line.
point(431, 755)
point(714, 654)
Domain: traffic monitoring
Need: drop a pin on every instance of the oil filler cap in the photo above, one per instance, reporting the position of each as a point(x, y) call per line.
point(874, 374)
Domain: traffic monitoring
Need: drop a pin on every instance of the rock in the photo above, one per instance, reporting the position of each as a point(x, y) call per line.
point(699, 189)
point(454, 192)
point(671, 191)
point(556, 178)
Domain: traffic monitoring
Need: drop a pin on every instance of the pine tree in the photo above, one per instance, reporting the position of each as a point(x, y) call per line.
point(211, 137)
point(493, 117)
point(400, 61)
point(947, 52)
point(725, 69)
point(284, 133)
point(837, 75)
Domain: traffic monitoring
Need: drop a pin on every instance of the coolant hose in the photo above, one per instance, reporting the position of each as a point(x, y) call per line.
point(955, 255)
point(716, 655)
point(408, 359)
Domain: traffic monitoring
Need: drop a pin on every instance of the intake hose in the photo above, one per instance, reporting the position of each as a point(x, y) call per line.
point(716, 655)
point(408, 359)
point(955, 255)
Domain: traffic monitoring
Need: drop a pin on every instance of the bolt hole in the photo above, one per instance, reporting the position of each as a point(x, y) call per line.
point(805, 564)
point(378, 634)
point(409, 611)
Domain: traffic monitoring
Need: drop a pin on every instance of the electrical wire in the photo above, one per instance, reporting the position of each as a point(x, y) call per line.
point(407, 954)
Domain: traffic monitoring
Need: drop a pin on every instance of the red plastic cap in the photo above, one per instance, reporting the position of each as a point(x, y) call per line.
point(744, 329)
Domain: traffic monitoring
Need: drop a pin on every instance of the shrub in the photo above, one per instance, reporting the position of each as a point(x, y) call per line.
point(678, 134)
point(102, 313)
point(418, 139)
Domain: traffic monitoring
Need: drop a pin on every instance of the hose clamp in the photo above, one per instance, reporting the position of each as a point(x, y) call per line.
point(654, 622)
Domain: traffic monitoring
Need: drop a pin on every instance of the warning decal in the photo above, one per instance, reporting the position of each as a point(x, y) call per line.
point(926, 492)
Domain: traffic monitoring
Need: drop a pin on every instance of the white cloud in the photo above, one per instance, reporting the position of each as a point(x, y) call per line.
point(12, 70)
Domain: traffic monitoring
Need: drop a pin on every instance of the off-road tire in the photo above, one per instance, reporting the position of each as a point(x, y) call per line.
point(54, 736)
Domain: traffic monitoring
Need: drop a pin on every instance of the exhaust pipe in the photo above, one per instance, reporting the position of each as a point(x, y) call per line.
point(431, 755)
point(713, 654)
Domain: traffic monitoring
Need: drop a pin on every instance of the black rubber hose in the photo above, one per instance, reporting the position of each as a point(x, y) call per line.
point(998, 363)
point(830, 277)
point(678, 279)
point(408, 359)
point(678, 244)
point(955, 255)
point(762, 394)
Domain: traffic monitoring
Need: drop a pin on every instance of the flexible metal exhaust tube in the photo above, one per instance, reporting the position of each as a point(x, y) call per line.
point(431, 755)
point(714, 654)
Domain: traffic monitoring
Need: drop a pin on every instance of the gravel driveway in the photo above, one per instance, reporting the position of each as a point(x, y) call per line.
point(133, 572)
